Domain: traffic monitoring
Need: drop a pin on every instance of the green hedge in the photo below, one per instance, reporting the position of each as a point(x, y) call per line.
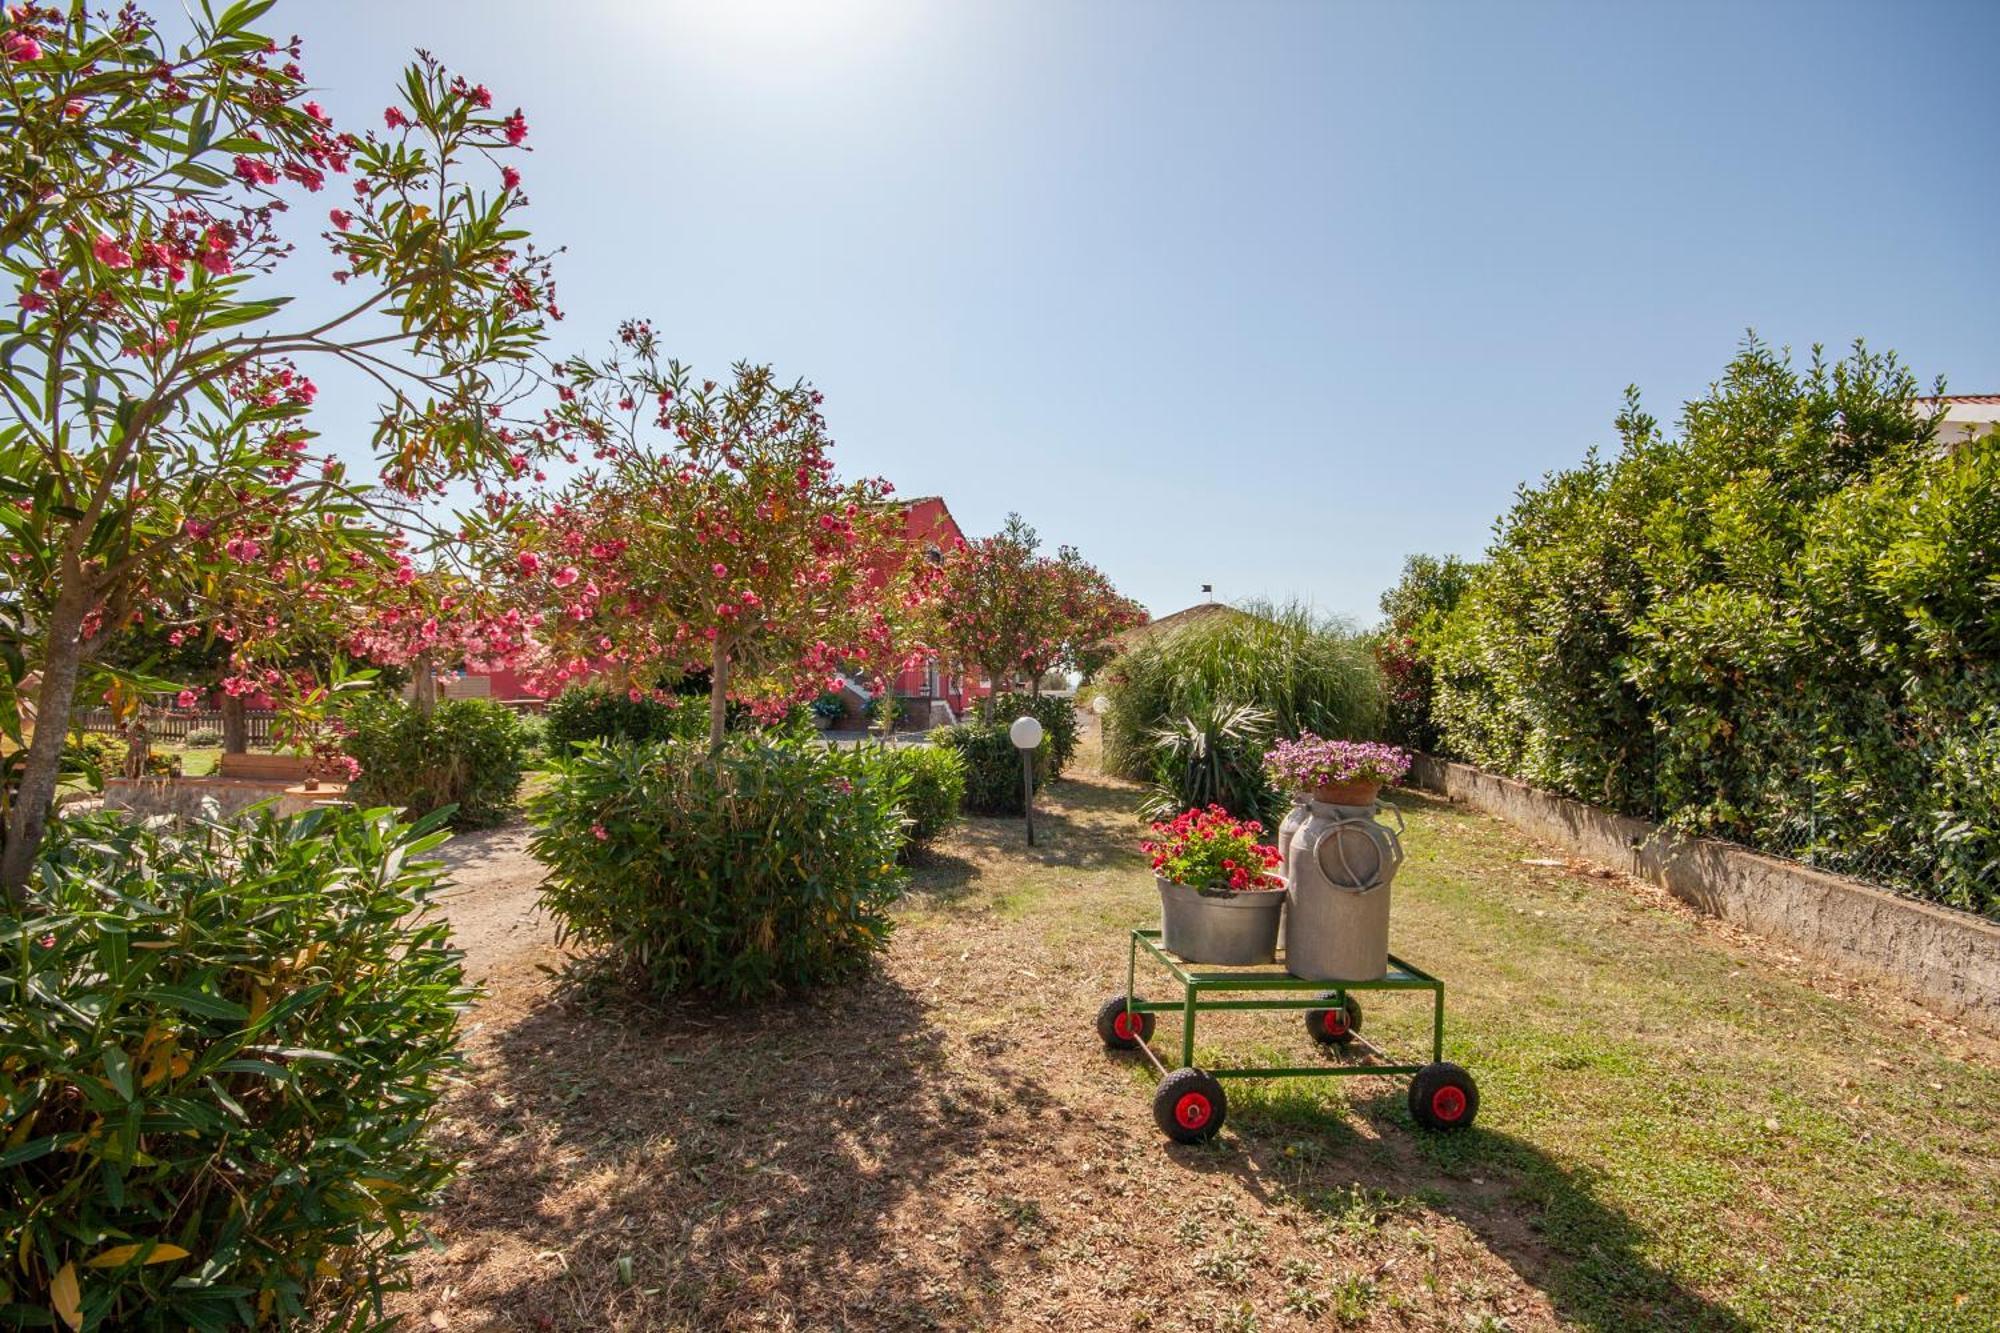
point(769, 869)
point(1060, 732)
point(992, 766)
point(1781, 627)
point(600, 713)
point(222, 1059)
point(930, 788)
point(468, 753)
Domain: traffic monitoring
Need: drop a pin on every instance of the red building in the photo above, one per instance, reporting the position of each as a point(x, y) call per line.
point(933, 531)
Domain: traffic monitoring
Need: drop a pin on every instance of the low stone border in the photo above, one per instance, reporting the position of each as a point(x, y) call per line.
point(206, 798)
point(1943, 958)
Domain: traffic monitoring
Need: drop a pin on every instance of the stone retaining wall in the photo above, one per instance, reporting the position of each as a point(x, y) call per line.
point(1945, 959)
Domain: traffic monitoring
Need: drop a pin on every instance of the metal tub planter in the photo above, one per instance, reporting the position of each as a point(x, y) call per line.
point(1224, 927)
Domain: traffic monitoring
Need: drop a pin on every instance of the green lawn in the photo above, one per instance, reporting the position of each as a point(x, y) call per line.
point(1678, 1129)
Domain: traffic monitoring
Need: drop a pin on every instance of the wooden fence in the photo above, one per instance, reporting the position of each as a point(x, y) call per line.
point(176, 724)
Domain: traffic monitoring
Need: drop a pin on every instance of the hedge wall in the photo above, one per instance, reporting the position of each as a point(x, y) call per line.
point(1780, 627)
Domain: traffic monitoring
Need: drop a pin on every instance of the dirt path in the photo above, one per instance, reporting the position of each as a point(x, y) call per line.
point(946, 1145)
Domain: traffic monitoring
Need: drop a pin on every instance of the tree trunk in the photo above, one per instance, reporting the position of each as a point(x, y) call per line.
point(424, 685)
point(62, 660)
point(235, 726)
point(718, 696)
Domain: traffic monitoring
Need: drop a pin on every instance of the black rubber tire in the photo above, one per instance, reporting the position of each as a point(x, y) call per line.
point(1111, 1016)
point(1317, 1022)
point(1443, 1097)
point(1190, 1106)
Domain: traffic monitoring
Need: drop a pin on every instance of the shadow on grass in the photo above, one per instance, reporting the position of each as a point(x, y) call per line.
point(1543, 1217)
point(694, 1167)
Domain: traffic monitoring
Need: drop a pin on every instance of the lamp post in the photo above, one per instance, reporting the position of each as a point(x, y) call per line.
point(1026, 733)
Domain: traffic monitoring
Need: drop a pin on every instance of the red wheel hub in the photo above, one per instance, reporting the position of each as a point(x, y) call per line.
point(1448, 1102)
point(1193, 1110)
point(1126, 1025)
point(1335, 1022)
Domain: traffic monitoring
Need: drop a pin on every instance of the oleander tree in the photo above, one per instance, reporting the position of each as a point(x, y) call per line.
point(710, 533)
point(156, 450)
point(1007, 610)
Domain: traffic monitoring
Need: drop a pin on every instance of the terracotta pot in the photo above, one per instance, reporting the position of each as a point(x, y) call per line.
point(1348, 793)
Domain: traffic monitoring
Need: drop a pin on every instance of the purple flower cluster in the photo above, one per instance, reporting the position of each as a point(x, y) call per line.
point(1309, 763)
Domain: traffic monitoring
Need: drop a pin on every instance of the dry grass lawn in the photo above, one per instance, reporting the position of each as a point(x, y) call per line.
point(1680, 1128)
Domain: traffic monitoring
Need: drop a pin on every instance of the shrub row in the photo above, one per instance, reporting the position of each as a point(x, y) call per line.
point(1779, 628)
point(600, 713)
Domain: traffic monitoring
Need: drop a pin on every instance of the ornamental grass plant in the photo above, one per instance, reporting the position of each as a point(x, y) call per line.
point(1310, 673)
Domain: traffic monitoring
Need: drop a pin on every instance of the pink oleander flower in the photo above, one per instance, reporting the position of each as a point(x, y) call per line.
point(509, 178)
point(394, 118)
point(599, 832)
point(186, 699)
point(565, 576)
point(111, 254)
point(340, 218)
point(34, 302)
point(528, 563)
point(516, 127)
point(20, 47)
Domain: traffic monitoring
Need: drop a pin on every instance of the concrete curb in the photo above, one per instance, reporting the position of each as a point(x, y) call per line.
point(1945, 959)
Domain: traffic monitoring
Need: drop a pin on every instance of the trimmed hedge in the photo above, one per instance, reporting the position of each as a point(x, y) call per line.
point(1781, 628)
point(468, 753)
point(221, 1063)
point(768, 869)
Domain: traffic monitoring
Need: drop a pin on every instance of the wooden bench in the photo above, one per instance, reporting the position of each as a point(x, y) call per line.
point(286, 768)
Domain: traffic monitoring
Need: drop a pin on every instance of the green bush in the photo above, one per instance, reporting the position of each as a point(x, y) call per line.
point(1308, 672)
point(1778, 628)
point(1059, 728)
point(992, 766)
point(1214, 757)
point(768, 869)
point(219, 1071)
point(600, 713)
point(203, 738)
point(468, 753)
point(930, 786)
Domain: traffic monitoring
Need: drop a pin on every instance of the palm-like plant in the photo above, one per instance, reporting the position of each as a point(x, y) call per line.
point(1211, 756)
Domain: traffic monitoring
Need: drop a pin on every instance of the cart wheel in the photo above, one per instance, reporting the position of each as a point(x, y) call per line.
point(1443, 1096)
point(1122, 1030)
point(1335, 1027)
point(1190, 1106)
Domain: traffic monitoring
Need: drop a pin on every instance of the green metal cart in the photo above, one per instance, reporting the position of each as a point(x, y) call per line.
point(1190, 1105)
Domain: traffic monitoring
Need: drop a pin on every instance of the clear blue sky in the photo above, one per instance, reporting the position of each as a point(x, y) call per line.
point(1258, 295)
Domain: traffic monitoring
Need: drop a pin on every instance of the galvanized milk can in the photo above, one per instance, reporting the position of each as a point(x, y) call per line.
point(1337, 869)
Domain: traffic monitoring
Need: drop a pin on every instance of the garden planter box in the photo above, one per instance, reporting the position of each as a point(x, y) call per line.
point(1221, 927)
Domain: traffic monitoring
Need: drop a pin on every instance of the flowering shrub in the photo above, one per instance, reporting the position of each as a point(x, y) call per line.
point(221, 1061)
point(151, 173)
point(1010, 611)
point(1309, 763)
point(1212, 850)
point(767, 868)
point(713, 535)
point(466, 754)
